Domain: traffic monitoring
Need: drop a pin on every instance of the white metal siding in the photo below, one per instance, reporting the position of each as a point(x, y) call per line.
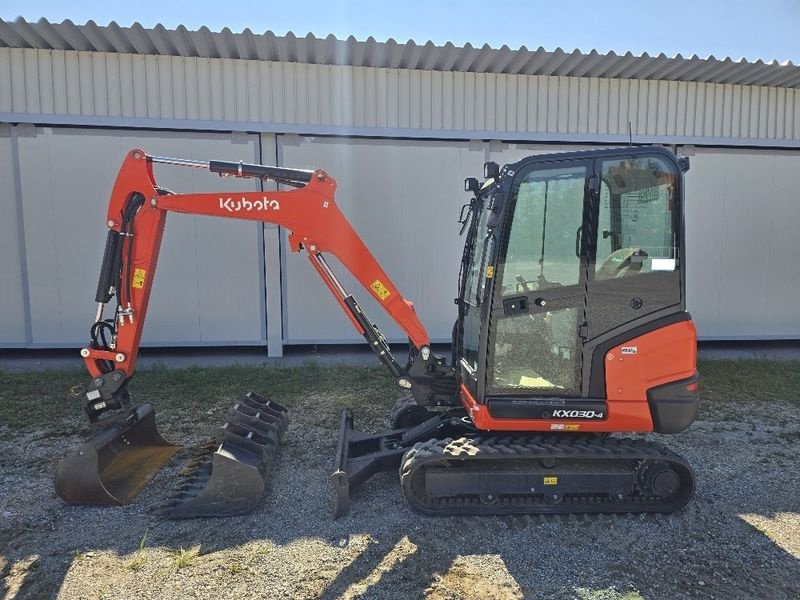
point(124, 86)
point(12, 307)
point(403, 198)
point(209, 285)
point(742, 219)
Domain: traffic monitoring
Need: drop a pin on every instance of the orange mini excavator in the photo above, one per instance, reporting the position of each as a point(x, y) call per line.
point(571, 325)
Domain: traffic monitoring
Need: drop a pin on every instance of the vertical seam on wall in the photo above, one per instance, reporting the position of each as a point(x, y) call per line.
point(262, 263)
point(282, 252)
point(281, 259)
point(23, 259)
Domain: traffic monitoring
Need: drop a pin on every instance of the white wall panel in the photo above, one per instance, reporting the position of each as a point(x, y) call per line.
point(742, 219)
point(12, 307)
point(403, 198)
point(68, 83)
point(209, 284)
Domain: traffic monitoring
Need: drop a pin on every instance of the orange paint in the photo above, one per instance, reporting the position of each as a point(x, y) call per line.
point(310, 214)
point(622, 416)
point(664, 355)
point(661, 356)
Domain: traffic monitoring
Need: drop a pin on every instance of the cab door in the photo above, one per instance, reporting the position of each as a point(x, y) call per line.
point(635, 262)
point(538, 320)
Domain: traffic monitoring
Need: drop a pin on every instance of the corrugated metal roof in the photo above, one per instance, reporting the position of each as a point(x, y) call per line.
point(391, 54)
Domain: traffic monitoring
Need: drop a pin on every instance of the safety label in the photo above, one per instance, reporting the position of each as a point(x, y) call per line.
point(380, 290)
point(138, 278)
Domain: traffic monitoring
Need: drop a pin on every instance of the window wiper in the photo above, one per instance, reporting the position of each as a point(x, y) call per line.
point(465, 220)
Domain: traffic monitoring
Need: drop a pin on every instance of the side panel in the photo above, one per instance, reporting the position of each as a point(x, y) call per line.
point(742, 220)
point(209, 285)
point(653, 359)
point(12, 307)
point(403, 199)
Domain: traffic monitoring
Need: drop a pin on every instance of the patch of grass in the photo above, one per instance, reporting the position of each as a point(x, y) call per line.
point(261, 550)
point(195, 398)
point(191, 401)
point(139, 557)
point(750, 381)
point(184, 558)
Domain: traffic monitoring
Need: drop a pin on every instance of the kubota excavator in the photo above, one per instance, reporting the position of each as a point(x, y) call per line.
point(571, 325)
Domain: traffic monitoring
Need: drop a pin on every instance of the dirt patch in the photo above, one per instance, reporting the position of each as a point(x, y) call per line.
point(469, 573)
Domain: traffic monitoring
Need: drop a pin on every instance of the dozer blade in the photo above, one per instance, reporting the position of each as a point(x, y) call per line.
point(232, 480)
point(116, 462)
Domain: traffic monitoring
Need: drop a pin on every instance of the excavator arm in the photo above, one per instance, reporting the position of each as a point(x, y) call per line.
point(136, 217)
point(126, 450)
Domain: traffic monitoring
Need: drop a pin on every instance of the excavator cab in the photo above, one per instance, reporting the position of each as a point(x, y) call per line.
point(568, 256)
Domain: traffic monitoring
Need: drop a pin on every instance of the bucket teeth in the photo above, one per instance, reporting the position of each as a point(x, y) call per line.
point(231, 477)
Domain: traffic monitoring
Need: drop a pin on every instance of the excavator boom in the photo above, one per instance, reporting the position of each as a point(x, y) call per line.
point(309, 213)
point(126, 449)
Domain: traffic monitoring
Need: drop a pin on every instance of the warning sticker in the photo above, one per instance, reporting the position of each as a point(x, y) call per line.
point(573, 427)
point(489, 272)
point(138, 278)
point(381, 291)
point(551, 480)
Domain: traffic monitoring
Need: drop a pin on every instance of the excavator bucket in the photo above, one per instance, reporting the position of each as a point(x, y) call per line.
point(232, 479)
point(116, 462)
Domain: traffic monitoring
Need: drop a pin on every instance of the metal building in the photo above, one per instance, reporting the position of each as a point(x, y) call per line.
point(399, 126)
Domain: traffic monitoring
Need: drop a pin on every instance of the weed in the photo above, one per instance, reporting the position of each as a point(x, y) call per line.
point(183, 558)
point(139, 557)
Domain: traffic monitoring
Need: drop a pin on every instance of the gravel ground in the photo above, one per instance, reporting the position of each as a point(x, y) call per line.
point(738, 538)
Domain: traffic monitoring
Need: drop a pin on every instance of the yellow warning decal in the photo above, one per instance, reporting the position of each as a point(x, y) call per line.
point(572, 427)
point(551, 480)
point(381, 291)
point(138, 278)
point(489, 272)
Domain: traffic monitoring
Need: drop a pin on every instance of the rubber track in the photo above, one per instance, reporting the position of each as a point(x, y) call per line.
point(436, 453)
